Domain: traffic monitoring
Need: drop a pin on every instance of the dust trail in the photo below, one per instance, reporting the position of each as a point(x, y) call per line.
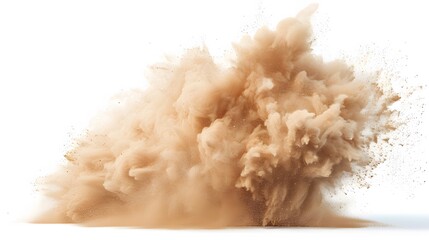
point(206, 146)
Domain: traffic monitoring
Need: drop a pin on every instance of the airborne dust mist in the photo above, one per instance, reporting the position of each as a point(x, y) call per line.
point(207, 146)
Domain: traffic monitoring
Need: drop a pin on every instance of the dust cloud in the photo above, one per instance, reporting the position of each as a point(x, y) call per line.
point(206, 146)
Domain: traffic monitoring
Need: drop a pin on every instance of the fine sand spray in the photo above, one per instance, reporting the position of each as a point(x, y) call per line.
point(251, 144)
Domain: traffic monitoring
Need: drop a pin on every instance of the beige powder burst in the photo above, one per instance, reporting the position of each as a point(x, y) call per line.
point(206, 146)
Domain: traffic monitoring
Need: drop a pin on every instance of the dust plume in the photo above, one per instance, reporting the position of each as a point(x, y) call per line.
point(208, 146)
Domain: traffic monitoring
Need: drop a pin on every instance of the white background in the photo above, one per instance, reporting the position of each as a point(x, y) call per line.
point(61, 62)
